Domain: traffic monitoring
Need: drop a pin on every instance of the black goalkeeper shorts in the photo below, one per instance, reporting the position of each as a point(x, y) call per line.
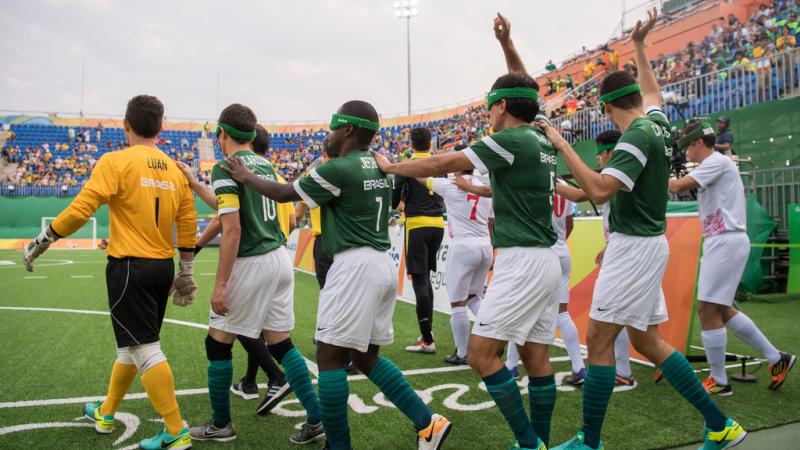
point(322, 261)
point(138, 291)
point(422, 244)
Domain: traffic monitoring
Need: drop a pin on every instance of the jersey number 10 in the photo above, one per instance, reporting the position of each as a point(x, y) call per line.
point(270, 210)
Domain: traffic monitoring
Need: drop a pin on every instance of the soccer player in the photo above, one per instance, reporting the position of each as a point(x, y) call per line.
point(424, 233)
point(605, 142)
point(725, 250)
point(628, 289)
point(257, 352)
point(147, 196)
point(254, 285)
point(356, 306)
point(469, 223)
point(520, 305)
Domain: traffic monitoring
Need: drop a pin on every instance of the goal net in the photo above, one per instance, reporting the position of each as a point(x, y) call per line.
point(83, 239)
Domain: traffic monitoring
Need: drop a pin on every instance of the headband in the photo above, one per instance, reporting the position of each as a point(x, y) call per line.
point(703, 130)
point(236, 133)
point(602, 148)
point(516, 92)
point(340, 120)
point(621, 92)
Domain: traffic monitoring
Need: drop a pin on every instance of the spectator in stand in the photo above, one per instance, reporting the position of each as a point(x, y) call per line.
point(724, 142)
point(786, 41)
point(570, 82)
point(550, 66)
point(71, 134)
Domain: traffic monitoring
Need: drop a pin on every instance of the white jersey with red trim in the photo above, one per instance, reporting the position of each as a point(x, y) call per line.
point(467, 214)
point(562, 208)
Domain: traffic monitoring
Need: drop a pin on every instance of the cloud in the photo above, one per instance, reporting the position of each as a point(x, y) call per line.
point(287, 60)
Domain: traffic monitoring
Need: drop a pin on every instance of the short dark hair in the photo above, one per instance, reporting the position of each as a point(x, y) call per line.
point(524, 109)
point(420, 139)
point(364, 110)
point(261, 142)
point(708, 139)
point(240, 117)
point(145, 115)
point(618, 80)
point(608, 137)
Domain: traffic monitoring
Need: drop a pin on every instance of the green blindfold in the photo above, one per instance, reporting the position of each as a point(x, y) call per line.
point(517, 92)
point(235, 133)
point(619, 93)
point(340, 120)
point(703, 130)
point(602, 148)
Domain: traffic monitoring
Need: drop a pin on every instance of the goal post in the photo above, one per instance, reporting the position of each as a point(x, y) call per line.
point(85, 238)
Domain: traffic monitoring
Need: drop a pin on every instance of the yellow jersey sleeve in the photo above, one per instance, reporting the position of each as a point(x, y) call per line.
point(101, 187)
point(285, 211)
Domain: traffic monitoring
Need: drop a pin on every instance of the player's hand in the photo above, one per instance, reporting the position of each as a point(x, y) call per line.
point(237, 169)
point(599, 258)
point(462, 183)
point(36, 247)
point(640, 31)
point(219, 302)
point(187, 172)
point(502, 29)
point(184, 287)
point(383, 162)
point(552, 135)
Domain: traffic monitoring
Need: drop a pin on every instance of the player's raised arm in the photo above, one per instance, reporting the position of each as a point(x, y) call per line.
point(204, 192)
point(571, 193)
point(651, 95)
point(279, 192)
point(502, 31)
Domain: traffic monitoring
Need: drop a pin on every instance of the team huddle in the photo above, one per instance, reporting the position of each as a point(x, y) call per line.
point(524, 214)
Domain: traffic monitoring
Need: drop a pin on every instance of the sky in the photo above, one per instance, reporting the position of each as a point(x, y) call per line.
point(288, 60)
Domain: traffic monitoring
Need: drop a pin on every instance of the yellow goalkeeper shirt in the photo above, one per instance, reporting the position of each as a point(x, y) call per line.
point(147, 195)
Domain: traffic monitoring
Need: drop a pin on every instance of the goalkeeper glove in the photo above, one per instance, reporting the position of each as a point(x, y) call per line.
point(184, 286)
point(35, 248)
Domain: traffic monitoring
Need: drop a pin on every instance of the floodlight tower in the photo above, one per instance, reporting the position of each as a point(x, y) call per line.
point(406, 9)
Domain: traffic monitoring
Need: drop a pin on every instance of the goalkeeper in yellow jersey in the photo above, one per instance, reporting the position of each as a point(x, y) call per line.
point(147, 196)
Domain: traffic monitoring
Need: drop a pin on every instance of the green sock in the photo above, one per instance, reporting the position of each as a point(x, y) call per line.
point(333, 394)
point(220, 375)
point(542, 399)
point(597, 389)
point(395, 387)
point(505, 392)
point(680, 375)
point(300, 381)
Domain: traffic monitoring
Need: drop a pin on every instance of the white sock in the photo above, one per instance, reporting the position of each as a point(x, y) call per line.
point(459, 321)
point(512, 357)
point(743, 328)
point(621, 353)
point(714, 341)
point(570, 336)
point(474, 304)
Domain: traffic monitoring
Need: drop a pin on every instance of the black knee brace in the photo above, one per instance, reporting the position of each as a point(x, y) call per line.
point(218, 351)
point(280, 349)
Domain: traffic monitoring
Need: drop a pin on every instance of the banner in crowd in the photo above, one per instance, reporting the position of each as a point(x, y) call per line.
point(585, 242)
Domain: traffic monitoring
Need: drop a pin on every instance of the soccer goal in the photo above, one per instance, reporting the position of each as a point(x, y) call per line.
point(83, 239)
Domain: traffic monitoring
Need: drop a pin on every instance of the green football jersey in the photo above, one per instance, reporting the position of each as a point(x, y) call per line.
point(354, 197)
point(522, 168)
point(258, 215)
point(641, 161)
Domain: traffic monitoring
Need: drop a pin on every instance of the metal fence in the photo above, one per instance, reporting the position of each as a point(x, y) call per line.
point(775, 189)
point(758, 81)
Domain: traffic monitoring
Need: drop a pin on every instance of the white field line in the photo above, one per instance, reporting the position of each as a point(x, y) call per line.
point(81, 276)
point(40, 277)
point(202, 391)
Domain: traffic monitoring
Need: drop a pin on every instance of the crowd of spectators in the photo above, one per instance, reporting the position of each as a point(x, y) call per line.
point(731, 46)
